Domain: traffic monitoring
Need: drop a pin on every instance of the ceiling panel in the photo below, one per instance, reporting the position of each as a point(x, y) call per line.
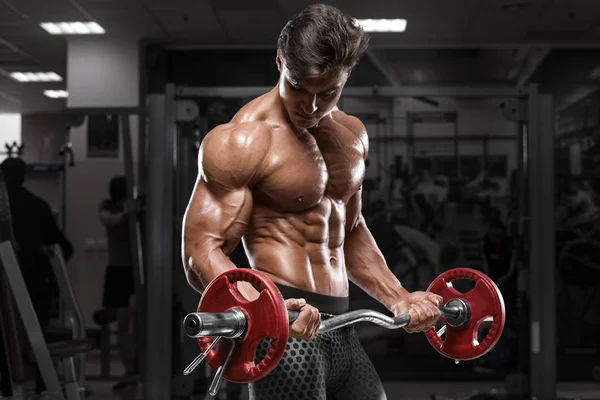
point(39, 11)
point(493, 22)
point(244, 5)
point(421, 10)
point(253, 26)
point(92, 6)
point(199, 8)
point(8, 14)
point(183, 24)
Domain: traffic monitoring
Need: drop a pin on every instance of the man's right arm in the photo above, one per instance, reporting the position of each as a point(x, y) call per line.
point(108, 216)
point(229, 164)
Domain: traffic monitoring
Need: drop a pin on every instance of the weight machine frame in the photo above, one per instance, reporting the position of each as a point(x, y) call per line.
point(76, 117)
point(426, 117)
point(535, 167)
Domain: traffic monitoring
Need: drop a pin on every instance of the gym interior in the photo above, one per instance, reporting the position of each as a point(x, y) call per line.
point(482, 118)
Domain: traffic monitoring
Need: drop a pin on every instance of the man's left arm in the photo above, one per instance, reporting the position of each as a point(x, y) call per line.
point(365, 263)
point(367, 268)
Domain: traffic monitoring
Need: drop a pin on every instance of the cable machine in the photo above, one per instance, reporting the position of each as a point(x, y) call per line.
point(430, 117)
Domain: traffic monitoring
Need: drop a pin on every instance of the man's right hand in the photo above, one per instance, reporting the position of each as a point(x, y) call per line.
point(308, 321)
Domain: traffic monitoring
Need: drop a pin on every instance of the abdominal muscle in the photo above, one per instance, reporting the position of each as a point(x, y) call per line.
point(301, 250)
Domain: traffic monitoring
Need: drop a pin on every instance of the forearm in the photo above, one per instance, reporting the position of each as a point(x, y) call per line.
point(111, 219)
point(367, 268)
point(203, 261)
point(203, 265)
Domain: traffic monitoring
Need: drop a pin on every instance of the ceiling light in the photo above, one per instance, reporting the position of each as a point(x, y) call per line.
point(56, 94)
point(72, 28)
point(382, 25)
point(36, 77)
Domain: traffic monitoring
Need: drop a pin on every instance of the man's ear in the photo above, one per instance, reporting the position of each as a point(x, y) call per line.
point(278, 61)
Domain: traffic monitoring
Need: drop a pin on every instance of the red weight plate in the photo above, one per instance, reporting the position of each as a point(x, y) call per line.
point(266, 317)
point(484, 300)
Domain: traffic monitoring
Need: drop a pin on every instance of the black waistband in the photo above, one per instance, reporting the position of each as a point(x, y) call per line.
point(325, 304)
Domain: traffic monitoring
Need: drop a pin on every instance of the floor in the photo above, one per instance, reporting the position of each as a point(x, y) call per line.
point(405, 390)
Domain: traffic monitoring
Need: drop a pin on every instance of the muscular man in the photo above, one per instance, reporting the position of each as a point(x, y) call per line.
point(285, 175)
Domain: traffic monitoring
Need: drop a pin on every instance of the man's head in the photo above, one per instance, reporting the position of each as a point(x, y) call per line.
point(14, 170)
point(316, 51)
point(118, 189)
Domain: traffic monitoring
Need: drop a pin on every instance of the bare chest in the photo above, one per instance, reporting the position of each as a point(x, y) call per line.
point(309, 168)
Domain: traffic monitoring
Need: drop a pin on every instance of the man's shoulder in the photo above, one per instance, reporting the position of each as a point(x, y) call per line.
point(238, 137)
point(234, 153)
point(33, 203)
point(353, 125)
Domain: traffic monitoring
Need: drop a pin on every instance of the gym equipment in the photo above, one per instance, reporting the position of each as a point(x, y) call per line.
point(11, 358)
point(103, 318)
point(77, 117)
point(578, 267)
point(223, 312)
point(171, 137)
point(579, 263)
point(14, 149)
point(481, 302)
point(46, 354)
point(19, 320)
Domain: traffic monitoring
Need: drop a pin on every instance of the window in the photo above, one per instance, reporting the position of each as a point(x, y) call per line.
point(10, 132)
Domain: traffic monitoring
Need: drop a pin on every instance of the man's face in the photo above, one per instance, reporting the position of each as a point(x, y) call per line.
point(310, 99)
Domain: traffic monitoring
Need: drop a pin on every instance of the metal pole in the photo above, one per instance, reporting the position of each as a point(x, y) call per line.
point(69, 298)
point(63, 180)
point(135, 241)
point(410, 145)
point(378, 165)
point(456, 148)
point(542, 228)
point(8, 260)
point(383, 161)
point(484, 144)
point(184, 297)
point(132, 196)
point(159, 245)
point(389, 155)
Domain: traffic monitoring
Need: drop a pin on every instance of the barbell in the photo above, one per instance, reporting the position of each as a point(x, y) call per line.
point(223, 312)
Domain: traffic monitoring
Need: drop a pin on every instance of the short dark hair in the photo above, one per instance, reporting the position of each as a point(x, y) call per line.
point(14, 170)
point(319, 39)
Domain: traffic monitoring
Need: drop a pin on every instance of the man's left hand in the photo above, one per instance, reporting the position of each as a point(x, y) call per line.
point(423, 310)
